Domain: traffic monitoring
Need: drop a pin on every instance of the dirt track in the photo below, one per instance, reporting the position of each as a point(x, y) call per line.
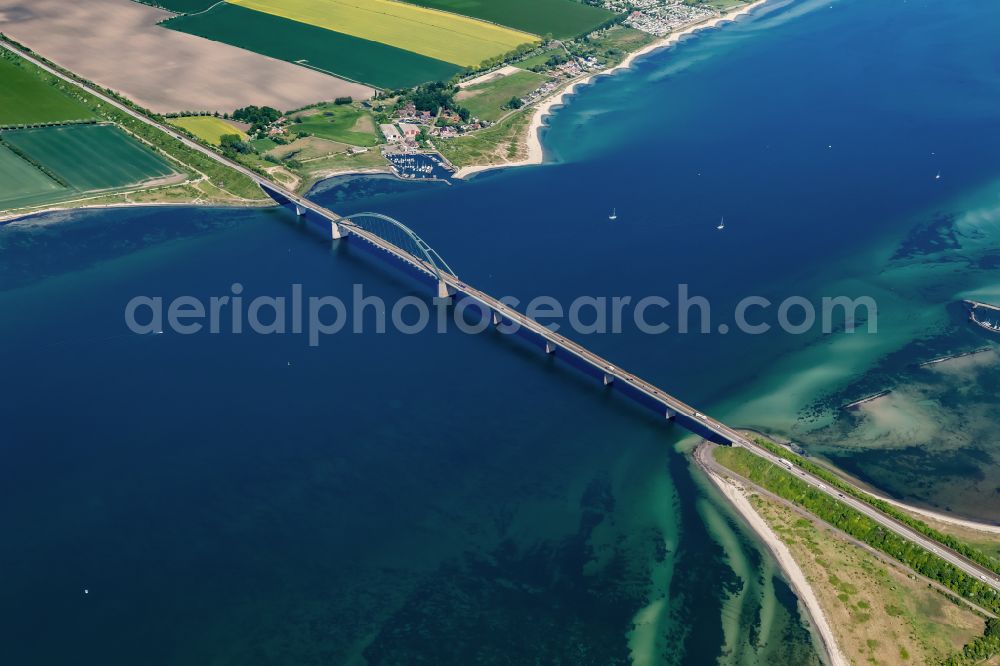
point(117, 44)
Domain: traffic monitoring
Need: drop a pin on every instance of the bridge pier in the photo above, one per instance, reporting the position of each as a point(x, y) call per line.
point(336, 231)
point(495, 318)
point(444, 290)
point(299, 210)
point(549, 348)
point(608, 379)
point(670, 414)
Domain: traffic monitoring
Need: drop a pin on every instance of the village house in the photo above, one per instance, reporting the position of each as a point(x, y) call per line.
point(390, 133)
point(409, 130)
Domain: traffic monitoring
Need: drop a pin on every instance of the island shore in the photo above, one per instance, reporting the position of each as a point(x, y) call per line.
point(536, 154)
point(736, 496)
point(18, 217)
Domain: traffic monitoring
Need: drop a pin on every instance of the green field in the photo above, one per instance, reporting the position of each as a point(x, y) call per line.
point(338, 122)
point(486, 100)
point(441, 35)
point(89, 157)
point(207, 128)
point(26, 97)
point(560, 18)
point(24, 184)
point(362, 60)
point(540, 59)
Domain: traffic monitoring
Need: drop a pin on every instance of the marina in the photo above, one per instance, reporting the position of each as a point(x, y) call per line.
point(991, 325)
point(420, 166)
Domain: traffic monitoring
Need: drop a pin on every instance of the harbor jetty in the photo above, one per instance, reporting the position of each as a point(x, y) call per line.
point(857, 403)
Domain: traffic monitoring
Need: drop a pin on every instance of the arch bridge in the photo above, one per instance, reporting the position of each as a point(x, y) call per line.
point(383, 232)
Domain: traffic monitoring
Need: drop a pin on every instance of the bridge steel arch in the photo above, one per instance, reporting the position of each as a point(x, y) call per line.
point(400, 236)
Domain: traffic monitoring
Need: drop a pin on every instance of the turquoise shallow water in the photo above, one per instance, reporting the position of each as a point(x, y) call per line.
point(437, 499)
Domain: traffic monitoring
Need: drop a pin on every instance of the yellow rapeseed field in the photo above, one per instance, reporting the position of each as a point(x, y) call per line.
point(207, 128)
point(456, 39)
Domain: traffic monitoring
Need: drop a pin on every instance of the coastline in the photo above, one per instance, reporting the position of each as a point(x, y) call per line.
point(987, 528)
point(16, 217)
point(942, 517)
point(536, 154)
point(735, 494)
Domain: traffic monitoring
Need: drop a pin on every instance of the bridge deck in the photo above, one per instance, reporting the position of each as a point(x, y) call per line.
point(668, 405)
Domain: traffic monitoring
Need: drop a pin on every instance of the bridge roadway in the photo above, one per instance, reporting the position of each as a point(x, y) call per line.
point(672, 408)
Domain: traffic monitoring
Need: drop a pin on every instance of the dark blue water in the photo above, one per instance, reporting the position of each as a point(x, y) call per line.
point(389, 499)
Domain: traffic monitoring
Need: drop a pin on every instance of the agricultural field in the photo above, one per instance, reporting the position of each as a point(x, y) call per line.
point(440, 35)
point(563, 19)
point(338, 122)
point(357, 59)
point(486, 100)
point(307, 148)
point(88, 157)
point(27, 97)
point(24, 184)
point(207, 128)
point(119, 44)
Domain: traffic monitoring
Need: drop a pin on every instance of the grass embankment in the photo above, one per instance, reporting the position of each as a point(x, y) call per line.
point(984, 557)
point(879, 614)
point(857, 525)
point(488, 100)
point(498, 144)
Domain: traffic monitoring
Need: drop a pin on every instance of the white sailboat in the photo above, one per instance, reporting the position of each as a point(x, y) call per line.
point(938, 176)
point(722, 223)
point(614, 214)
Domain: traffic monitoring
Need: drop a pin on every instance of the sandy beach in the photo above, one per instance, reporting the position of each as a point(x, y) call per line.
point(534, 144)
point(736, 495)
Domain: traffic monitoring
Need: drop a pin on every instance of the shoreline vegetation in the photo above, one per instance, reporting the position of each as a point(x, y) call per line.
point(759, 491)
